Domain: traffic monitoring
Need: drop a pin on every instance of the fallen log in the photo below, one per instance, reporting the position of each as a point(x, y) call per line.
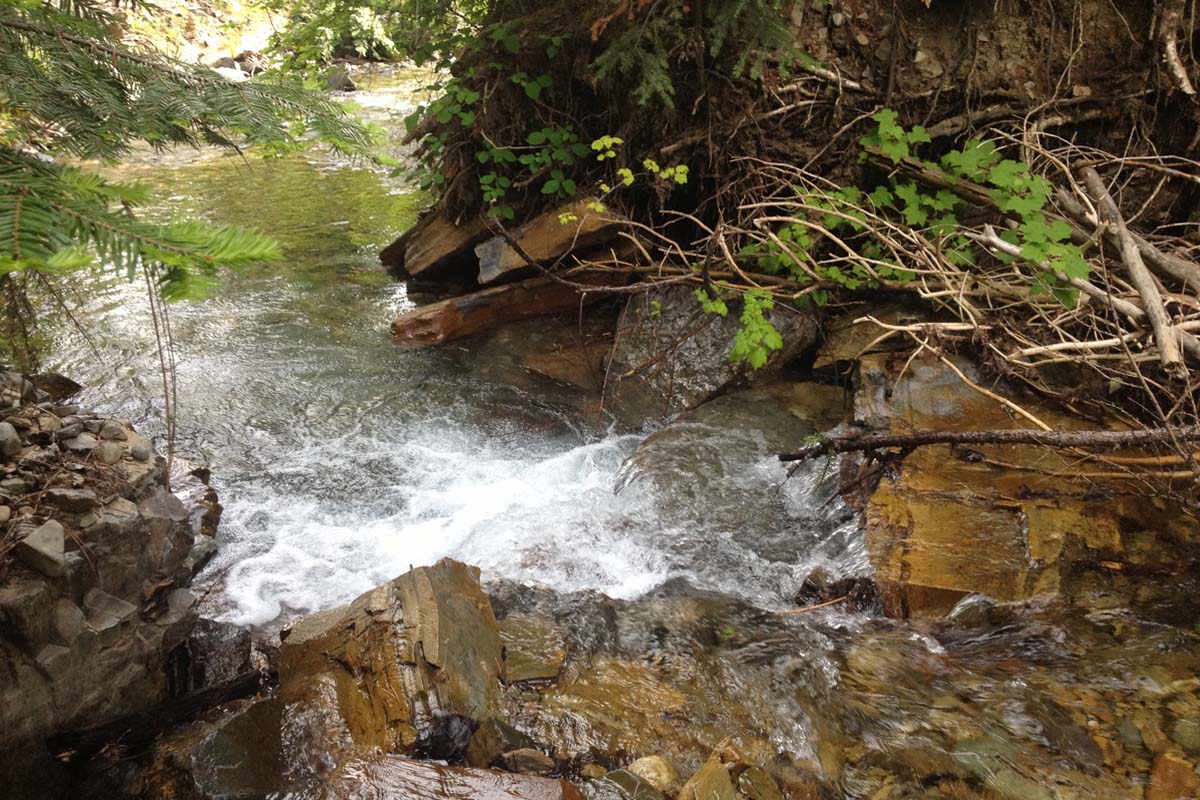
point(1088, 440)
point(436, 249)
point(135, 732)
point(548, 237)
point(473, 313)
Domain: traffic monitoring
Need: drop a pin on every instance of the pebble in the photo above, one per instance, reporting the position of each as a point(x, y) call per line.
point(92, 426)
point(5, 514)
point(112, 430)
point(64, 410)
point(69, 431)
point(14, 486)
point(110, 452)
point(10, 440)
point(140, 451)
point(76, 500)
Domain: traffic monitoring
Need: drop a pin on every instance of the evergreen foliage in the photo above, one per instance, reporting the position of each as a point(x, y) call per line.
point(70, 89)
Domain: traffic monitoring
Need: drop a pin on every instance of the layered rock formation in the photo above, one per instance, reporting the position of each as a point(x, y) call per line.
point(95, 557)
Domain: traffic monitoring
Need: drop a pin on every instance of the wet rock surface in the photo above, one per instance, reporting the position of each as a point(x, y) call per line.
point(670, 355)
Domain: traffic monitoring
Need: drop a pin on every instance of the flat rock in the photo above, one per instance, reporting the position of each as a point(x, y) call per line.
point(98, 602)
point(83, 443)
point(74, 500)
point(43, 549)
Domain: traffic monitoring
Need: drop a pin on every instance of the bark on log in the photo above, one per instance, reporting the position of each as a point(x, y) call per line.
point(1088, 440)
point(477, 312)
point(435, 249)
point(136, 731)
point(1165, 333)
point(545, 238)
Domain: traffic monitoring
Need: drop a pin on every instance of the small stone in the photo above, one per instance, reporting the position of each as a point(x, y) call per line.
point(65, 410)
point(18, 422)
point(68, 622)
point(92, 426)
point(98, 602)
point(5, 514)
point(43, 549)
point(53, 656)
point(112, 430)
point(634, 787)
point(73, 500)
point(69, 430)
point(203, 549)
point(109, 453)
point(10, 440)
point(527, 761)
point(658, 772)
point(83, 443)
point(25, 511)
point(140, 451)
point(14, 486)
point(593, 771)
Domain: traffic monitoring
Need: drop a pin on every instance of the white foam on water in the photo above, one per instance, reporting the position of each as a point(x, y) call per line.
point(551, 520)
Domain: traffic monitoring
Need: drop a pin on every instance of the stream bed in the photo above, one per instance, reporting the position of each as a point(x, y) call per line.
point(342, 460)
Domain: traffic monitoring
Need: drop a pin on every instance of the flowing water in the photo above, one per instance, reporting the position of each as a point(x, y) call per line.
point(342, 460)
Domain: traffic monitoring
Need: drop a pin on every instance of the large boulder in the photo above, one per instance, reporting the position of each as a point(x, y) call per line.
point(670, 355)
point(401, 660)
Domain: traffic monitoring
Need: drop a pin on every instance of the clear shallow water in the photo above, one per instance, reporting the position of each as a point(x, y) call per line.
point(342, 460)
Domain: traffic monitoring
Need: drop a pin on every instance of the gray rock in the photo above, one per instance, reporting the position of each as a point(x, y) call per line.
point(98, 602)
point(14, 486)
point(43, 549)
point(527, 761)
point(140, 451)
point(83, 443)
point(68, 622)
point(338, 80)
point(64, 410)
point(670, 355)
point(110, 453)
point(92, 426)
point(10, 440)
point(53, 657)
point(112, 430)
point(74, 500)
point(203, 549)
point(19, 422)
point(69, 430)
point(225, 62)
point(217, 652)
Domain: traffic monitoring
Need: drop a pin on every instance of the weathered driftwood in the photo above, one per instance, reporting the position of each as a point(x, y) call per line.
point(1165, 333)
point(545, 238)
point(1088, 440)
point(135, 732)
point(435, 249)
point(479, 311)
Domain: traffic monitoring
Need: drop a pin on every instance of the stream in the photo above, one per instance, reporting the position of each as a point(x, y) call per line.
point(342, 460)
